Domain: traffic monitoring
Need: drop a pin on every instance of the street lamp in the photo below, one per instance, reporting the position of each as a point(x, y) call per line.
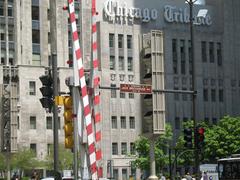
point(194, 95)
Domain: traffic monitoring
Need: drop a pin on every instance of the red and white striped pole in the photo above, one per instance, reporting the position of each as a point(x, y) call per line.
point(95, 86)
point(85, 98)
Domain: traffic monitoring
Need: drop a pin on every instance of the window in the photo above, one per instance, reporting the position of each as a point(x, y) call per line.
point(190, 56)
point(177, 123)
point(114, 122)
point(10, 11)
point(132, 148)
point(206, 120)
point(120, 41)
point(115, 174)
point(49, 122)
point(220, 95)
point(123, 148)
point(32, 88)
point(121, 63)
point(130, 64)
point(111, 40)
point(131, 95)
point(132, 122)
point(213, 95)
point(122, 95)
point(214, 121)
point(49, 148)
point(205, 94)
point(114, 148)
point(33, 122)
point(113, 91)
point(112, 62)
point(33, 148)
point(174, 56)
point(18, 123)
point(129, 41)
point(35, 36)
point(123, 122)
point(204, 51)
point(182, 55)
point(211, 52)
point(1, 11)
point(219, 54)
point(35, 13)
point(124, 174)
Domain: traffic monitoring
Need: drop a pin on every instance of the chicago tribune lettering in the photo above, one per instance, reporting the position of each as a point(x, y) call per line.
point(114, 9)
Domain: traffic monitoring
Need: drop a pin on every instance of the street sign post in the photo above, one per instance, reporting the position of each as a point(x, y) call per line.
point(136, 88)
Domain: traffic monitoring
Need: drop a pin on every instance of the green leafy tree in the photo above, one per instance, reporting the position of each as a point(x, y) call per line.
point(65, 158)
point(223, 139)
point(142, 146)
point(2, 162)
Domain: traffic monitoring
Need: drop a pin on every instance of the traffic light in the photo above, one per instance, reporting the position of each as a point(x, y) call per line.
point(47, 91)
point(68, 122)
point(200, 136)
point(188, 137)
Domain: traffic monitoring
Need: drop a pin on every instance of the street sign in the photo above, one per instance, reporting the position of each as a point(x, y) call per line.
point(136, 88)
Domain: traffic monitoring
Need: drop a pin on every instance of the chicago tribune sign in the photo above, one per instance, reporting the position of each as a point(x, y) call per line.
point(114, 9)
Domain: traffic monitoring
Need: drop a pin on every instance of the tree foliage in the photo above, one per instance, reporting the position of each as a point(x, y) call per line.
point(142, 147)
point(223, 139)
point(65, 158)
point(2, 162)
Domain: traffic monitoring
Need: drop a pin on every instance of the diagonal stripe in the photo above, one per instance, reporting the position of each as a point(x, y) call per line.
point(99, 155)
point(98, 136)
point(97, 117)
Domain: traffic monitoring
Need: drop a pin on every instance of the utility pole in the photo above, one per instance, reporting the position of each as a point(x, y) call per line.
point(194, 95)
point(53, 33)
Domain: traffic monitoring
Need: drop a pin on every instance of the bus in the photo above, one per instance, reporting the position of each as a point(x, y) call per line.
point(229, 168)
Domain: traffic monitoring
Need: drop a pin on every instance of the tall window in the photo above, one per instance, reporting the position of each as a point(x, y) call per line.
point(35, 36)
point(124, 174)
point(49, 122)
point(112, 62)
point(204, 51)
point(111, 40)
point(219, 54)
point(129, 41)
point(132, 148)
point(49, 148)
point(213, 95)
point(123, 148)
point(115, 174)
point(132, 122)
point(114, 122)
point(113, 91)
point(33, 148)
point(33, 123)
point(174, 56)
point(182, 53)
point(35, 13)
point(211, 52)
point(120, 41)
point(205, 94)
point(177, 123)
point(220, 95)
point(123, 122)
point(130, 64)
point(190, 56)
point(184, 95)
point(32, 88)
point(121, 63)
point(114, 148)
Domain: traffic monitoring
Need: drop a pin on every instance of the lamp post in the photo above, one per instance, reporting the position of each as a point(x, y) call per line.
point(194, 94)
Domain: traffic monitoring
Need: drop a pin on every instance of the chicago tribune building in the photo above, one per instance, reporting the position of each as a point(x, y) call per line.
point(138, 41)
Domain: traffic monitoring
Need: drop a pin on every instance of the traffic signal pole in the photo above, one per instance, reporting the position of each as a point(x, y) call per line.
point(53, 33)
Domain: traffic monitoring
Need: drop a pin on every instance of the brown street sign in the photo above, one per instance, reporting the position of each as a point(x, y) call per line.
point(136, 88)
